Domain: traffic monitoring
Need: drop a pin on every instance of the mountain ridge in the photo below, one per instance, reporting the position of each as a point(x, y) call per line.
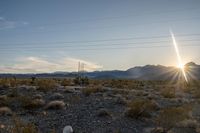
point(147, 72)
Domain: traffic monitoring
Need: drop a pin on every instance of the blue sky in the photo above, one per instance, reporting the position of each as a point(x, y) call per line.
point(54, 35)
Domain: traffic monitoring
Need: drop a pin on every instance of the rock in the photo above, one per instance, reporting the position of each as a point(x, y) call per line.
point(67, 129)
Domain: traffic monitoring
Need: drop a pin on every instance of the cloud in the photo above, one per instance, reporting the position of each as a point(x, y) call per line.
point(8, 24)
point(39, 65)
point(5, 24)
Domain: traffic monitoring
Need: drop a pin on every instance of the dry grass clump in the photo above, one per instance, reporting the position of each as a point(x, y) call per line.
point(169, 117)
point(168, 92)
point(55, 105)
point(91, 89)
point(5, 111)
point(141, 108)
point(46, 84)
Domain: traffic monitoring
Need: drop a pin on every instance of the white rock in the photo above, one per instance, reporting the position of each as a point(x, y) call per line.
point(67, 129)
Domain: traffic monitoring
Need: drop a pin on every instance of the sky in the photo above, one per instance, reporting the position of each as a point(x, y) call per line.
point(54, 35)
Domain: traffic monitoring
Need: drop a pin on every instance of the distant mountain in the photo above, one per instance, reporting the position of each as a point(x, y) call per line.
point(148, 72)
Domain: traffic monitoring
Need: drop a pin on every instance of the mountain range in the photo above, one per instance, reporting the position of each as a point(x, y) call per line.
point(148, 72)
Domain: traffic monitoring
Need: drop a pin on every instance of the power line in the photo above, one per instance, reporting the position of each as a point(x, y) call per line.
point(118, 17)
point(133, 47)
point(104, 40)
point(99, 45)
point(113, 26)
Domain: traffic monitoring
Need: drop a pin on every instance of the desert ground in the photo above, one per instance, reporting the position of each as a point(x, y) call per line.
point(99, 106)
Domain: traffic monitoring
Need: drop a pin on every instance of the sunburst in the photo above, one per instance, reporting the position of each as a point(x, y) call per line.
point(180, 64)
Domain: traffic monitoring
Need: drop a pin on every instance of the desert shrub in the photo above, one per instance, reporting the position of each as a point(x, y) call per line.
point(103, 113)
point(140, 108)
point(120, 100)
point(117, 131)
point(28, 103)
point(55, 105)
point(14, 92)
point(169, 117)
point(36, 103)
point(91, 89)
point(56, 96)
point(75, 99)
point(5, 111)
point(46, 84)
point(196, 93)
point(81, 80)
point(53, 131)
point(168, 92)
point(66, 82)
point(3, 97)
point(25, 101)
point(37, 96)
point(189, 123)
point(24, 81)
point(7, 101)
point(22, 127)
point(4, 82)
point(33, 79)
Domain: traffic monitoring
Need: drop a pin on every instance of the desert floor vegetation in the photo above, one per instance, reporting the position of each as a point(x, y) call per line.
point(39, 105)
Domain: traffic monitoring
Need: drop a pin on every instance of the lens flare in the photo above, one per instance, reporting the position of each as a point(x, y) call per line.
point(180, 64)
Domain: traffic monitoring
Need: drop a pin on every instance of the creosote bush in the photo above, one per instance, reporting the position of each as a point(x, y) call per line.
point(66, 82)
point(28, 103)
point(5, 111)
point(169, 117)
point(140, 108)
point(91, 89)
point(103, 113)
point(55, 105)
point(46, 84)
point(22, 127)
point(168, 92)
point(81, 81)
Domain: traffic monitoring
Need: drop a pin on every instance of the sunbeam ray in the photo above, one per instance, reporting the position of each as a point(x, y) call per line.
point(181, 66)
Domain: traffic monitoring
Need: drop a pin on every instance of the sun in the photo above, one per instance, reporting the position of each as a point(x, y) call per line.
point(181, 66)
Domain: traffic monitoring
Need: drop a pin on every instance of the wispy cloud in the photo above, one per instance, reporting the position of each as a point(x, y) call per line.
point(5, 24)
point(9, 24)
point(39, 65)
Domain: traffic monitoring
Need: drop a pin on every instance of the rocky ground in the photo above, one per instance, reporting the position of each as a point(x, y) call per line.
point(94, 109)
